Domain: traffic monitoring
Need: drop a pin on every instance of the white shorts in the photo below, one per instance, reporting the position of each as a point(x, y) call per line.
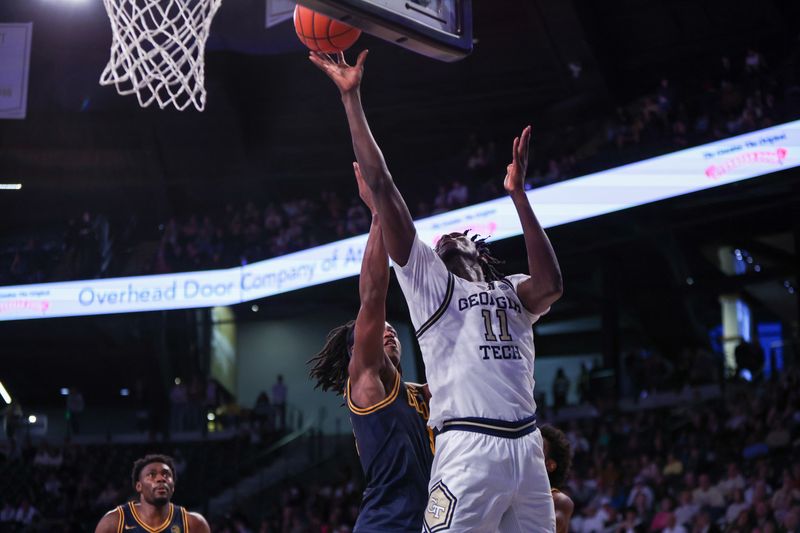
point(486, 484)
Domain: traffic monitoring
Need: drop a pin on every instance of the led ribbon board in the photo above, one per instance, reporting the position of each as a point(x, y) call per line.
point(694, 169)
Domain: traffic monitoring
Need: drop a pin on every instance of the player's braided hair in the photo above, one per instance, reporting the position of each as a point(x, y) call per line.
point(559, 451)
point(139, 465)
point(486, 259)
point(329, 366)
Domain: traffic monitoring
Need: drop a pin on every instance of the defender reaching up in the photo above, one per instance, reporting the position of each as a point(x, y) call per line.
point(361, 359)
point(474, 327)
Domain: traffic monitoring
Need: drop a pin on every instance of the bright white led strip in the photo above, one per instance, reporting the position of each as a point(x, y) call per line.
point(694, 169)
point(4, 393)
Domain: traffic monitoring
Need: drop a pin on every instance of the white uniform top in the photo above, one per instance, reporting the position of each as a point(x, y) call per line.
point(476, 340)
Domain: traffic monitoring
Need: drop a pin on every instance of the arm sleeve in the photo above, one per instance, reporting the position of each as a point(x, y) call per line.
point(424, 280)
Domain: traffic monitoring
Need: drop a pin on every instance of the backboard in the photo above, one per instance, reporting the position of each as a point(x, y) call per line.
point(441, 29)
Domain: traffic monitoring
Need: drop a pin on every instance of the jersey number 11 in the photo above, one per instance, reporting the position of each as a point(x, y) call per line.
point(487, 323)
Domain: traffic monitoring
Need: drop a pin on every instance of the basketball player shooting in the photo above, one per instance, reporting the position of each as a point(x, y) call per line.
point(474, 327)
point(389, 416)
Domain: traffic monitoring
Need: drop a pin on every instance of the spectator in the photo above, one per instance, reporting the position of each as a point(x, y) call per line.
point(687, 509)
point(737, 506)
point(674, 466)
point(702, 524)
point(662, 518)
point(75, 407)
point(732, 482)
point(26, 513)
point(673, 526)
point(7, 513)
point(632, 523)
point(560, 389)
point(179, 405)
point(458, 195)
point(753, 62)
point(785, 497)
point(263, 411)
point(707, 495)
point(584, 385)
point(279, 401)
point(639, 487)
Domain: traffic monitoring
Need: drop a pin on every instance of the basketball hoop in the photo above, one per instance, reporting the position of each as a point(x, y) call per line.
point(157, 49)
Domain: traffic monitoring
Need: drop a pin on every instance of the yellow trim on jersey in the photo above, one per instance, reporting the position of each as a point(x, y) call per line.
point(121, 514)
point(185, 516)
point(157, 529)
point(378, 406)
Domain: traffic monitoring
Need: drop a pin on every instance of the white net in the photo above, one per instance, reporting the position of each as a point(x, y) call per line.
point(157, 50)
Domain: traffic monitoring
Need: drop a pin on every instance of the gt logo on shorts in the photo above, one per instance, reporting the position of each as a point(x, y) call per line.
point(439, 512)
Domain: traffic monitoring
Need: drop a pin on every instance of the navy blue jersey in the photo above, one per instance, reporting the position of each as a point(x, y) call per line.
point(177, 521)
point(395, 447)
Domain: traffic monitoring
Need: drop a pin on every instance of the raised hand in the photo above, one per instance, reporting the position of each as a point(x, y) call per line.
point(346, 77)
point(516, 170)
point(363, 189)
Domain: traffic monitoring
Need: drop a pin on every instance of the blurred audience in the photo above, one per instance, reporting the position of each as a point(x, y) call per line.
point(730, 101)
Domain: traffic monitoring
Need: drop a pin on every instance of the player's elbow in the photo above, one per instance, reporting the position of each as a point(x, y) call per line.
point(556, 289)
point(378, 178)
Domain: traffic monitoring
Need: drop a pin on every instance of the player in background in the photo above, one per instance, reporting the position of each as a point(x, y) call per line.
point(558, 460)
point(361, 360)
point(474, 327)
point(153, 479)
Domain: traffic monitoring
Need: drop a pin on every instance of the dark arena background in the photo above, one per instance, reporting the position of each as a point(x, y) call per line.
point(671, 361)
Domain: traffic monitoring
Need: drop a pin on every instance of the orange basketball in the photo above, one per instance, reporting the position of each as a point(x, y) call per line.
point(323, 34)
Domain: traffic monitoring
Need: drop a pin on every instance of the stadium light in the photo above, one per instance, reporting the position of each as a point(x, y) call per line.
point(10, 186)
point(32, 419)
point(4, 393)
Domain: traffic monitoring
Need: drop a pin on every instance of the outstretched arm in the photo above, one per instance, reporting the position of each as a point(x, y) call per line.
point(368, 360)
point(545, 285)
point(398, 227)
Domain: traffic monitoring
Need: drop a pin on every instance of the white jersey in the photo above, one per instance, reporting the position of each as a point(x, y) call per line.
point(476, 340)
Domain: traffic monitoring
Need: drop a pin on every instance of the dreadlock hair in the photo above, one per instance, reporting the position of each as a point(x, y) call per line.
point(559, 451)
point(139, 465)
point(329, 366)
point(486, 259)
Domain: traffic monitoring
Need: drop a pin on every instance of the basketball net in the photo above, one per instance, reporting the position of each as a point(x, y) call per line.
point(157, 49)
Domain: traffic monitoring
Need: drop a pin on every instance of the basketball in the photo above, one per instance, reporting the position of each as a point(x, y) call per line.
point(323, 34)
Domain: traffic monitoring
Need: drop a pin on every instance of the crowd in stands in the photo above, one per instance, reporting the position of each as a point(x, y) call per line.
point(739, 94)
point(68, 487)
point(318, 507)
point(729, 463)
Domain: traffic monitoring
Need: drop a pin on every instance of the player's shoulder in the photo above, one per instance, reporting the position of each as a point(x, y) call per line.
point(512, 280)
point(197, 523)
point(563, 502)
point(110, 521)
point(420, 253)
